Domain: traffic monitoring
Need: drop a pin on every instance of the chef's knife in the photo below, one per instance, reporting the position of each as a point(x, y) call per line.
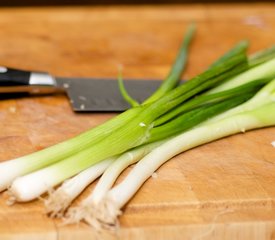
point(85, 94)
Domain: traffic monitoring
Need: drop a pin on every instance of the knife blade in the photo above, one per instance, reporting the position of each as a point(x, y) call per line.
point(85, 94)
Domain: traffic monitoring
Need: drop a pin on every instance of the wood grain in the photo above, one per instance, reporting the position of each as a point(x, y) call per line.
point(222, 190)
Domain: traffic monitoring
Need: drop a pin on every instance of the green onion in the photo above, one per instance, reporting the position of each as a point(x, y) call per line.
point(96, 213)
point(115, 167)
point(257, 117)
point(227, 98)
point(230, 99)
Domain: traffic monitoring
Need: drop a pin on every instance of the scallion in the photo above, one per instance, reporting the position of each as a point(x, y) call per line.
point(234, 94)
point(261, 115)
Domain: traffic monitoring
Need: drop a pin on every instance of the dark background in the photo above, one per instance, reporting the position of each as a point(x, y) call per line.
point(104, 2)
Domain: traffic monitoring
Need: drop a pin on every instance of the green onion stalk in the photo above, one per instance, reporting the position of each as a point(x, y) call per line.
point(37, 173)
point(119, 165)
point(99, 209)
point(243, 118)
point(175, 126)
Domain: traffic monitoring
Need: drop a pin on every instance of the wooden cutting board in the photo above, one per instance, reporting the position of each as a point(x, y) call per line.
point(222, 190)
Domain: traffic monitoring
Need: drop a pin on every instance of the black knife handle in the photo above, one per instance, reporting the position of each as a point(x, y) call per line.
point(15, 80)
point(14, 77)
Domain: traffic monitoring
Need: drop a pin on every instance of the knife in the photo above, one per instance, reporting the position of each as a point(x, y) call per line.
point(85, 94)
